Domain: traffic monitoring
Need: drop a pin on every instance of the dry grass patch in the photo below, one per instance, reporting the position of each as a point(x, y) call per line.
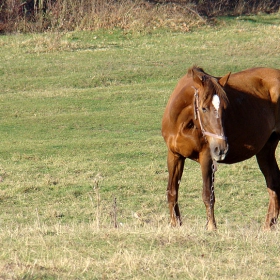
point(67, 15)
point(137, 252)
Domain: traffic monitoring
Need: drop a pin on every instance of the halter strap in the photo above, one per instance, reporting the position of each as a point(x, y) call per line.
point(197, 116)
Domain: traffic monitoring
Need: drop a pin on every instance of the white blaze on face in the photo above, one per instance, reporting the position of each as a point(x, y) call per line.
point(216, 102)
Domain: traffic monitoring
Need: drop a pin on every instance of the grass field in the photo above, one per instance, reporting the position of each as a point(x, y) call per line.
point(83, 164)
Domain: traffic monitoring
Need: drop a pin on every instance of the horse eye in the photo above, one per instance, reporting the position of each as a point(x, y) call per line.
point(190, 125)
point(204, 110)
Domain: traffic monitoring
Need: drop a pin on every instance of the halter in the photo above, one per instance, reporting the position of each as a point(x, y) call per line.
point(197, 116)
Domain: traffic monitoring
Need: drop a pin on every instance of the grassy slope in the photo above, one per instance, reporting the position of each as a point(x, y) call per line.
point(80, 126)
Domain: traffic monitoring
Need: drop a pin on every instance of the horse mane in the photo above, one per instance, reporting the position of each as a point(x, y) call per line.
point(211, 82)
point(219, 89)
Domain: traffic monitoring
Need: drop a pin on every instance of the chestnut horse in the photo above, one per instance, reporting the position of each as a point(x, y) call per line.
point(228, 120)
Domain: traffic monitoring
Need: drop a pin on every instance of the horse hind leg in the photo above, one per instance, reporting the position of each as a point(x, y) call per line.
point(269, 167)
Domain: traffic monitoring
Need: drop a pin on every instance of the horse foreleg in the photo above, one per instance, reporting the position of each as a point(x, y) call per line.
point(208, 194)
point(268, 165)
point(175, 165)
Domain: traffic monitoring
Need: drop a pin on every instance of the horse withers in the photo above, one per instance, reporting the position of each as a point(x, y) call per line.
point(227, 119)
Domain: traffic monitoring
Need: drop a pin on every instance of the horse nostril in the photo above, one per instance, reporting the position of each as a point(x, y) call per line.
point(217, 151)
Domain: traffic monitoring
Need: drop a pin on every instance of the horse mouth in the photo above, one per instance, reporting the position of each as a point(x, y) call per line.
point(219, 158)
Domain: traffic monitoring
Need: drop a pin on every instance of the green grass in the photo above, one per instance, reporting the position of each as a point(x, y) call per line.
point(80, 127)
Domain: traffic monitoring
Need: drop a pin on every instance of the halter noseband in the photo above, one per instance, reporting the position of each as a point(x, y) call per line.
point(197, 116)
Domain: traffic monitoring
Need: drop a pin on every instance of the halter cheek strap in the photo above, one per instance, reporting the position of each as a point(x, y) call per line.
point(197, 116)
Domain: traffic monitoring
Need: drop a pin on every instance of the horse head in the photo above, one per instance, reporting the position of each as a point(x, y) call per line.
point(210, 102)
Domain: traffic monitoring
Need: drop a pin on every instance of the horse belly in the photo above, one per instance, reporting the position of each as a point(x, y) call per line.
point(248, 141)
point(240, 154)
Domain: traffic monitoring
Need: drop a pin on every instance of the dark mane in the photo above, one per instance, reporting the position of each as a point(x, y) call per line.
point(211, 81)
point(219, 89)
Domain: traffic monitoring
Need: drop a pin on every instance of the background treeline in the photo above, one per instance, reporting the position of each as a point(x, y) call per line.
point(66, 15)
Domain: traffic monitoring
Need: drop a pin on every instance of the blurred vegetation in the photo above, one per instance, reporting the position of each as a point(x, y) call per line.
point(210, 8)
point(139, 15)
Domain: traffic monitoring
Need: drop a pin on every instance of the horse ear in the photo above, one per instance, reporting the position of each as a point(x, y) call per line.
point(223, 81)
point(198, 77)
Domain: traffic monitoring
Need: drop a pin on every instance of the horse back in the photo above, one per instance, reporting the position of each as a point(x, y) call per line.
point(261, 82)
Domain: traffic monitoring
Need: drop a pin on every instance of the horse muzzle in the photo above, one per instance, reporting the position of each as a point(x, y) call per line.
point(219, 150)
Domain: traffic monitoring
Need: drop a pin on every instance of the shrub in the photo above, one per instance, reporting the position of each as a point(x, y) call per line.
point(67, 15)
